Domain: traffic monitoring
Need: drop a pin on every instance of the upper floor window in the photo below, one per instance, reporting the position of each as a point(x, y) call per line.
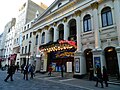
point(22, 50)
point(23, 37)
point(8, 30)
point(87, 23)
point(27, 36)
point(43, 38)
point(30, 34)
point(25, 49)
point(106, 16)
point(36, 40)
point(59, 4)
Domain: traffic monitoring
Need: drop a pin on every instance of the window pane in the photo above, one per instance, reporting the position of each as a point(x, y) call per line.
point(89, 24)
point(43, 38)
point(104, 20)
point(85, 25)
point(109, 17)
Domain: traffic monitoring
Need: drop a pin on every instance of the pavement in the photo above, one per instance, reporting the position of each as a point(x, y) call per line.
point(82, 83)
point(70, 76)
point(45, 82)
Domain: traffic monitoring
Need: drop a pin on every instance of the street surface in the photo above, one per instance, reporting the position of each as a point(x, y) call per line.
point(43, 82)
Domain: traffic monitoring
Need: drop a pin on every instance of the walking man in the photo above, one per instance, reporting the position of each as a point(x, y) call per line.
point(105, 76)
point(99, 77)
point(11, 71)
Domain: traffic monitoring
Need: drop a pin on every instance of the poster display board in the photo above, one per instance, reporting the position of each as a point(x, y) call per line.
point(77, 65)
point(97, 61)
point(69, 66)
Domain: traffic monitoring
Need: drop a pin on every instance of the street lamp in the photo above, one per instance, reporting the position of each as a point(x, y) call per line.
point(29, 51)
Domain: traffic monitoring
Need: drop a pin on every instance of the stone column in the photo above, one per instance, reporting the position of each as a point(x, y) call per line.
point(117, 15)
point(47, 34)
point(118, 57)
point(96, 25)
point(79, 59)
point(56, 32)
point(66, 29)
point(78, 27)
point(97, 52)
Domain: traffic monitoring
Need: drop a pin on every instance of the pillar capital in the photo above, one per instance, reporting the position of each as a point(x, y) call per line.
point(34, 33)
point(55, 24)
point(65, 19)
point(94, 5)
point(46, 27)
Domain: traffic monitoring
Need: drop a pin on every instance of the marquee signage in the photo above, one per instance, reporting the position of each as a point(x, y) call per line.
point(62, 54)
point(73, 43)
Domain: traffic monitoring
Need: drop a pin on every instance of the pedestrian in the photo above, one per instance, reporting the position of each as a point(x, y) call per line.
point(17, 67)
point(25, 72)
point(105, 76)
point(99, 77)
point(49, 70)
point(10, 72)
point(91, 75)
point(22, 68)
point(62, 70)
point(31, 70)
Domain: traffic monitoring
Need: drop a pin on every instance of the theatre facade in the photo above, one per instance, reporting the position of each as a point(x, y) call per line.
point(79, 34)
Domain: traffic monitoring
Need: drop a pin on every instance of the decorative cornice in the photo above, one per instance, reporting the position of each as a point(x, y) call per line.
point(94, 5)
point(77, 13)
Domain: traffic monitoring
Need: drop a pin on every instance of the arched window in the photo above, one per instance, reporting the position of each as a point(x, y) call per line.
point(106, 16)
point(61, 31)
point(36, 40)
point(87, 23)
point(43, 38)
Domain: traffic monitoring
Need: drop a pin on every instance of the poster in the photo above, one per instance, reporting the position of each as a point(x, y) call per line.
point(97, 61)
point(77, 65)
point(69, 66)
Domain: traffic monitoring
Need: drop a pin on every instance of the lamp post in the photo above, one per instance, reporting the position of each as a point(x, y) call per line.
point(29, 51)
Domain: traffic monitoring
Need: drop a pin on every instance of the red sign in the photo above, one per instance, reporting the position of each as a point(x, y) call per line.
point(69, 42)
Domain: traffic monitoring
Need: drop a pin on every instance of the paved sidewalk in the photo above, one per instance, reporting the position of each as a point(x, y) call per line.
point(86, 84)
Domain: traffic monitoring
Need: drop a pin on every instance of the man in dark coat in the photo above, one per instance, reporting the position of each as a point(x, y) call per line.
point(99, 76)
point(105, 76)
point(11, 71)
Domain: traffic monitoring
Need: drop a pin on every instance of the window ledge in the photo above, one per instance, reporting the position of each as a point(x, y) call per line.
point(86, 33)
point(108, 27)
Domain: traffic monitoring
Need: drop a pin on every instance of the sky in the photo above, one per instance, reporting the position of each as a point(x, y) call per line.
point(9, 9)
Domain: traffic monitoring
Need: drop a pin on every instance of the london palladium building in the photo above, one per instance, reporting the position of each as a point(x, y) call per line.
point(79, 34)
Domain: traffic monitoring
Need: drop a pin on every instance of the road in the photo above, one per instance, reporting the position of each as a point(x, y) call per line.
point(43, 82)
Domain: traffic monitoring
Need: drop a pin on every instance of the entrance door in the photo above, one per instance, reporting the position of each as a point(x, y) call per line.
point(89, 59)
point(111, 60)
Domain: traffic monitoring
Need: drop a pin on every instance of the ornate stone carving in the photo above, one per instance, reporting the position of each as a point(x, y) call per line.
point(55, 24)
point(46, 27)
point(77, 13)
point(94, 5)
point(39, 30)
point(65, 19)
point(34, 33)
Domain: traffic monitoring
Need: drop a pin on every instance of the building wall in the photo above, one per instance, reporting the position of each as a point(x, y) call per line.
point(97, 39)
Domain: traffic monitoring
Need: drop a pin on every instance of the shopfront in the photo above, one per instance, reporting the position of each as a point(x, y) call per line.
point(60, 53)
